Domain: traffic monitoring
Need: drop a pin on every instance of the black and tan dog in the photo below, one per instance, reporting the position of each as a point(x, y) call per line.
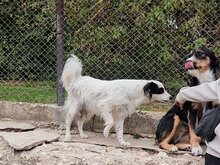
point(176, 128)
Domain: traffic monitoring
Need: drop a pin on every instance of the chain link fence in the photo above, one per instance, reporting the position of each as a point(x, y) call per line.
point(114, 39)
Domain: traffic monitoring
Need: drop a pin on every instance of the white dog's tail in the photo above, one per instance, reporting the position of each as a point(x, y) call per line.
point(71, 71)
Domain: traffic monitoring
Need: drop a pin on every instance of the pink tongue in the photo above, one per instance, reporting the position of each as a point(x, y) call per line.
point(189, 65)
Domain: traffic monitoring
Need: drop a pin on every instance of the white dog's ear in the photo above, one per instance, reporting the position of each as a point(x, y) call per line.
point(148, 88)
point(152, 88)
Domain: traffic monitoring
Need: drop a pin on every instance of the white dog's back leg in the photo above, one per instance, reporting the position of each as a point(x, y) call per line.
point(80, 122)
point(73, 109)
point(109, 122)
point(119, 124)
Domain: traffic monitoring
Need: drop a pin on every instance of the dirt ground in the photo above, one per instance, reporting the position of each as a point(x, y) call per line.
point(95, 152)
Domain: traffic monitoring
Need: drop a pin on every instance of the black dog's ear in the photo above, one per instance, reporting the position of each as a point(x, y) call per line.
point(149, 88)
point(217, 61)
point(214, 60)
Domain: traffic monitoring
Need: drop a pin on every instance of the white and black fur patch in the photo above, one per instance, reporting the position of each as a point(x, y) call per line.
point(152, 88)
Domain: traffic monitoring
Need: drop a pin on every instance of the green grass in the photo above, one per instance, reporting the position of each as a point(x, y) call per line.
point(28, 91)
point(45, 92)
point(157, 107)
point(30, 94)
point(136, 136)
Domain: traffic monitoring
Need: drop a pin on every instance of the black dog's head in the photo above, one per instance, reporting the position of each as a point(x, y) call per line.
point(202, 61)
point(156, 91)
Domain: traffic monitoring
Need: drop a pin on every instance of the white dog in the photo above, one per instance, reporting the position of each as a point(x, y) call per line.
point(111, 100)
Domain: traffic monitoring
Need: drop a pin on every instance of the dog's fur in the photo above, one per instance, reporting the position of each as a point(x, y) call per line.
point(176, 129)
point(111, 100)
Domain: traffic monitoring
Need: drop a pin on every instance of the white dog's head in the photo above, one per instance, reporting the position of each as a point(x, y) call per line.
point(156, 91)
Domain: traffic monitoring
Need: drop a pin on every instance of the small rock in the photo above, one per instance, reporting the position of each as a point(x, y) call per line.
point(162, 154)
point(29, 139)
point(6, 125)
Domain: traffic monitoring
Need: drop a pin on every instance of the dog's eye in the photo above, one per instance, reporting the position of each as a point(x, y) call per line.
point(203, 56)
point(200, 55)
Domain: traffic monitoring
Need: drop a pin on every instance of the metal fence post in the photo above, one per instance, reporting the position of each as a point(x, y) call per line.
point(59, 49)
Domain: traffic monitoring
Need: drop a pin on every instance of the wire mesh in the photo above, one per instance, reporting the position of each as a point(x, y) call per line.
point(114, 39)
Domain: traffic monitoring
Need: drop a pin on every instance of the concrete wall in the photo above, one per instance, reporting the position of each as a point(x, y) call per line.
point(138, 123)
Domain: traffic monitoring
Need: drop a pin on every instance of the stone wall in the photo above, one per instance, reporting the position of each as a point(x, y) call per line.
point(138, 123)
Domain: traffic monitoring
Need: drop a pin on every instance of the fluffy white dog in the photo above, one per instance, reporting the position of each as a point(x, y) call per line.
point(111, 100)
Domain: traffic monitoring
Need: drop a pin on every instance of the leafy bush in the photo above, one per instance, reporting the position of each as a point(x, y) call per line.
point(28, 40)
point(115, 39)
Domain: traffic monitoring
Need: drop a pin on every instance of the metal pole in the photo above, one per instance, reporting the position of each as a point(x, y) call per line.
point(59, 49)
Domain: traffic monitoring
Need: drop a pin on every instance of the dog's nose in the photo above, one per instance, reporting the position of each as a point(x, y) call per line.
point(171, 97)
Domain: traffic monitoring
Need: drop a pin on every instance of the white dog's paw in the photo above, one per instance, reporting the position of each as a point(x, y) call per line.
point(105, 133)
point(197, 151)
point(173, 149)
point(84, 136)
point(67, 139)
point(125, 143)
